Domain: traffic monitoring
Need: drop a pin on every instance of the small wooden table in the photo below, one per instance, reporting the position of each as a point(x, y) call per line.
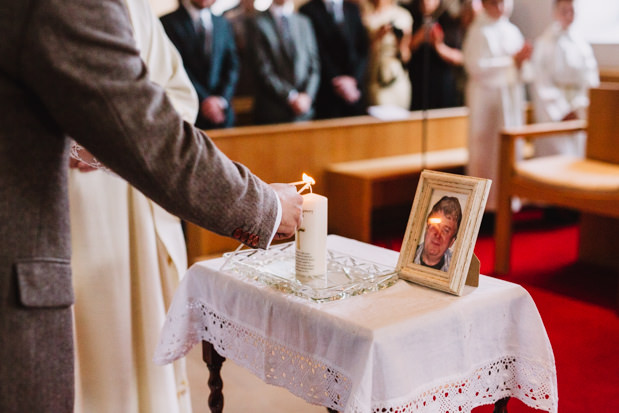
point(404, 347)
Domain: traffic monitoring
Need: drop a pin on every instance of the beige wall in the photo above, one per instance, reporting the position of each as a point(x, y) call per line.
point(163, 6)
point(533, 16)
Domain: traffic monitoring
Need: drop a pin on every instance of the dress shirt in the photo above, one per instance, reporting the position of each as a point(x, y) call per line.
point(199, 16)
point(336, 9)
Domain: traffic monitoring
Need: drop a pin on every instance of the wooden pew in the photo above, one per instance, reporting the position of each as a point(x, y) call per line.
point(281, 153)
point(357, 188)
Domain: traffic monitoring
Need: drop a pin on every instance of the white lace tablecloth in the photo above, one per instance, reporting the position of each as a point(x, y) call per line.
point(403, 349)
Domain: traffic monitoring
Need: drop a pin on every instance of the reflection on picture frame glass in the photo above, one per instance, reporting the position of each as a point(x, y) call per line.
point(442, 229)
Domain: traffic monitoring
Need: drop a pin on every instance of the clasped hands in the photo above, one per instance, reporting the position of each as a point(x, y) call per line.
point(346, 88)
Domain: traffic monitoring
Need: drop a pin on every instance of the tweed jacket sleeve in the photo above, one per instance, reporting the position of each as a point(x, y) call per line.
point(80, 61)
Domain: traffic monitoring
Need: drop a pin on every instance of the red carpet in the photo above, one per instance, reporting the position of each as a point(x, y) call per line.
point(578, 304)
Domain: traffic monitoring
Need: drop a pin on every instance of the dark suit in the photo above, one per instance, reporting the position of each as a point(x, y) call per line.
point(70, 68)
point(214, 75)
point(278, 73)
point(343, 51)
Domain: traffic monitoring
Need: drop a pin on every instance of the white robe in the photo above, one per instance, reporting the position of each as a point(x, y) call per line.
point(565, 68)
point(128, 255)
point(494, 92)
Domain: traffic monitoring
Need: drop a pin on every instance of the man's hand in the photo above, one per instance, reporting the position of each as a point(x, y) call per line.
point(346, 88)
point(212, 109)
point(301, 104)
point(82, 164)
point(292, 210)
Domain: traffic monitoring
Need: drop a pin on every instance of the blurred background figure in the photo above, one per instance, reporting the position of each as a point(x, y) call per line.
point(241, 19)
point(436, 54)
point(286, 65)
point(564, 70)
point(206, 44)
point(494, 55)
point(343, 46)
point(389, 27)
point(128, 255)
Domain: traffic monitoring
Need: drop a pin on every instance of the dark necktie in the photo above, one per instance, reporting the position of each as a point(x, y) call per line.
point(287, 36)
point(336, 12)
point(206, 38)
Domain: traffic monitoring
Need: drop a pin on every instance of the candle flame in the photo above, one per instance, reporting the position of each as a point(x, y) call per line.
point(434, 220)
point(308, 179)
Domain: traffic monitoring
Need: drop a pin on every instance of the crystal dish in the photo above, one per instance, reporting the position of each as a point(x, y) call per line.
point(346, 276)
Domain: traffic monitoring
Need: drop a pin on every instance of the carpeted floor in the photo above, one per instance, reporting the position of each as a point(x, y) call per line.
point(577, 302)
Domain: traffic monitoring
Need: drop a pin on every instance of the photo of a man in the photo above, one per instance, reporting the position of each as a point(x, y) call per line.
point(442, 226)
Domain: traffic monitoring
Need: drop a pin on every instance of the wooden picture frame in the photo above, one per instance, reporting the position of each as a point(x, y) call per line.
point(451, 256)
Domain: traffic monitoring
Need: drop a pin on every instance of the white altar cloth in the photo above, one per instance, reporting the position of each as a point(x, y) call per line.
point(406, 348)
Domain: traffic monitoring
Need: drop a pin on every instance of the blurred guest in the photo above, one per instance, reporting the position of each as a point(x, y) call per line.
point(435, 45)
point(241, 19)
point(389, 28)
point(494, 55)
point(565, 68)
point(343, 46)
point(206, 44)
point(286, 63)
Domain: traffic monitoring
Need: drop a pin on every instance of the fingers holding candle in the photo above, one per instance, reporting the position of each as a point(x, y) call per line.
point(292, 209)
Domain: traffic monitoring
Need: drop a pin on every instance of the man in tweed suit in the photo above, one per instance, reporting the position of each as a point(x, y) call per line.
point(70, 68)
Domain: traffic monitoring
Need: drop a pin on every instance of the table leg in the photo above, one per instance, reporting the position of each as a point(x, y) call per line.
point(501, 406)
point(214, 361)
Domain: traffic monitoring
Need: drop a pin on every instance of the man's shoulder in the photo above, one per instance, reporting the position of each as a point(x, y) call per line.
point(174, 16)
point(310, 7)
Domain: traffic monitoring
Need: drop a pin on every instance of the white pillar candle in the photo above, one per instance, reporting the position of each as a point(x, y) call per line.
point(311, 237)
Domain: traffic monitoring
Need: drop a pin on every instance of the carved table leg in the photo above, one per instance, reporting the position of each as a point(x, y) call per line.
point(214, 361)
point(501, 406)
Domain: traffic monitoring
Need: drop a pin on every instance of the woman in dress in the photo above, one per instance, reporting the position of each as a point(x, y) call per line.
point(389, 28)
point(436, 55)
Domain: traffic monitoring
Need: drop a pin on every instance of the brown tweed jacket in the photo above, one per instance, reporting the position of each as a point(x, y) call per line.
point(70, 68)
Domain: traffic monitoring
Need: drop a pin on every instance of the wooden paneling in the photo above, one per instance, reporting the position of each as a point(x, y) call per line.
point(603, 128)
point(281, 153)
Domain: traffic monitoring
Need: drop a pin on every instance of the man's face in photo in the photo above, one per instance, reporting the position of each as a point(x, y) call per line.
point(439, 236)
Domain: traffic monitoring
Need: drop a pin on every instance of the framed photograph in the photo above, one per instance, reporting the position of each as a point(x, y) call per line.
point(442, 230)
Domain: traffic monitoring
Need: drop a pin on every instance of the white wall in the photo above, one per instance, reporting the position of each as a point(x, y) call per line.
point(162, 7)
point(598, 20)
